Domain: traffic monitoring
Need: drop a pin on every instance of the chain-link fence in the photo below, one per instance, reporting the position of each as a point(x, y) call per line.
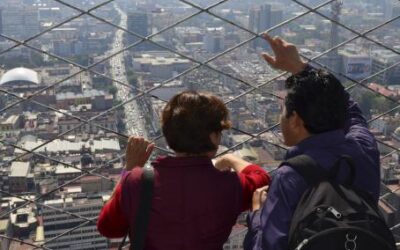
point(102, 70)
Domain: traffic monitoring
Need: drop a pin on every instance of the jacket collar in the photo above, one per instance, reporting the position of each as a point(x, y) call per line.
point(317, 141)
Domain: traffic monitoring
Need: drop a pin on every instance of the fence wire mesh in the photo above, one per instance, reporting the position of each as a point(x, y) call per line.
point(103, 77)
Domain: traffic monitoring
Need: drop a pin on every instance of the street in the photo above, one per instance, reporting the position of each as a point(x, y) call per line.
point(134, 119)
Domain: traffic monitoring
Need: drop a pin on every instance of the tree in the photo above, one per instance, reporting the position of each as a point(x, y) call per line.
point(132, 78)
point(372, 103)
point(113, 90)
point(382, 104)
point(82, 60)
point(366, 102)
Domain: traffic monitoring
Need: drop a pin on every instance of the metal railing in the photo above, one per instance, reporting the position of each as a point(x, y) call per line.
point(138, 93)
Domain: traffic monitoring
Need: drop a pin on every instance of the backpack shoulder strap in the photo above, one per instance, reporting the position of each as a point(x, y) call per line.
point(306, 167)
point(143, 213)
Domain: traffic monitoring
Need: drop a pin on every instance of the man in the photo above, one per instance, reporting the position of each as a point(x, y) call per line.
point(318, 120)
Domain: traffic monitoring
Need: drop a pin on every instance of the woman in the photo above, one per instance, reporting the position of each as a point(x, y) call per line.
point(195, 204)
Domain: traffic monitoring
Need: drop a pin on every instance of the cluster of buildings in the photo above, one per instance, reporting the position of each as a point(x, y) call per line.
point(68, 152)
point(38, 115)
point(20, 20)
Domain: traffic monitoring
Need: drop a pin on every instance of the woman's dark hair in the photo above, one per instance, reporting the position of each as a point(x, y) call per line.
point(189, 118)
point(318, 98)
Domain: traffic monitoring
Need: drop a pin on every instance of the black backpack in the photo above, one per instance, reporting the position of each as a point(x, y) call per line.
point(335, 216)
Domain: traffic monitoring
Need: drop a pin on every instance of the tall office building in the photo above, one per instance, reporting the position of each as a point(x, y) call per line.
point(1, 24)
point(387, 8)
point(20, 22)
point(259, 21)
point(333, 57)
point(214, 40)
point(138, 23)
point(276, 18)
point(263, 18)
point(253, 19)
point(383, 59)
point(396, 13)
point(264, 21)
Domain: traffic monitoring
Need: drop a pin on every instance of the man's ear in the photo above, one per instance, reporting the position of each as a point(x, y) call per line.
point(293, 119)
point(297, 124)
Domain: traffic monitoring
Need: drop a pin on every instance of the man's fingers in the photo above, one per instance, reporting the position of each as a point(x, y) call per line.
point(259, 197)
point(261, 194)
point(268, 38)
point(262, 189)
point(279, 41)
point(272, 42)
point(270, 59)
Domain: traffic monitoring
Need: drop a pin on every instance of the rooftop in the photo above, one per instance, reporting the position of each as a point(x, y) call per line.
point(159, 60)
point(12, 119)
point(385, 56)
point(62, 169)
point(85, 94)
point(19, 169)
point(4, 224)
point(68, 146)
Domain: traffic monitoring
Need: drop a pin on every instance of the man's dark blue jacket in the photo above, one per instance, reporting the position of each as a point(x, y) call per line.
point(268, 228)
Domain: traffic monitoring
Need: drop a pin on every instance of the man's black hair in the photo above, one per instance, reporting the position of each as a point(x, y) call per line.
point(318, 98)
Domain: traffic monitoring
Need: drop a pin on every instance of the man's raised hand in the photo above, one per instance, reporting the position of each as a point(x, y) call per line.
point(286, 57)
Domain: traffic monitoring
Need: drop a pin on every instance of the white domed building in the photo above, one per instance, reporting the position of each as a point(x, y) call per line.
point(20, 79)
point(24, 82)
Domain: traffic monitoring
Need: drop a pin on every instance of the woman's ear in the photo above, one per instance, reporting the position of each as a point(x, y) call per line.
point(215, 138)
